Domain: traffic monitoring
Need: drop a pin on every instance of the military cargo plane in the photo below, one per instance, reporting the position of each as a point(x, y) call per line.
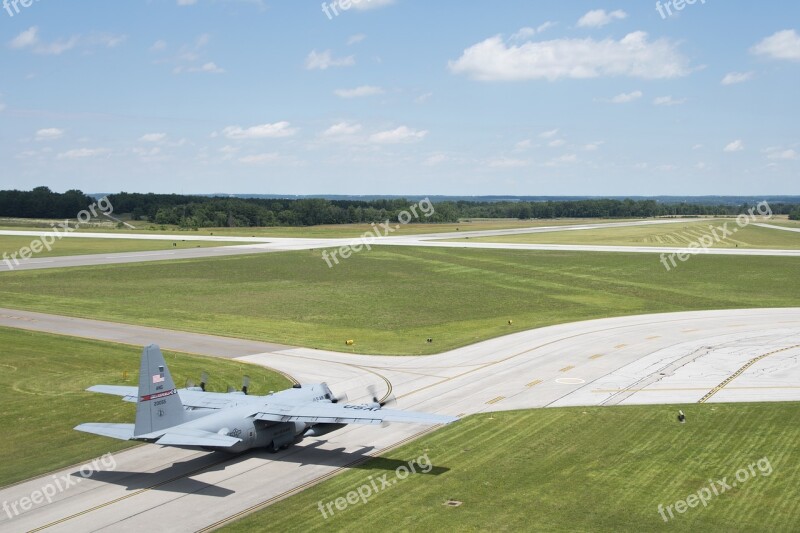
point(235, 421)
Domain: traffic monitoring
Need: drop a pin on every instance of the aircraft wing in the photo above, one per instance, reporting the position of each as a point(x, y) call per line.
point(328, 413)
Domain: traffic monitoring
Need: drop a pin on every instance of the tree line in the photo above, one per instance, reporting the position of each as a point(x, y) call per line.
point(195, 211)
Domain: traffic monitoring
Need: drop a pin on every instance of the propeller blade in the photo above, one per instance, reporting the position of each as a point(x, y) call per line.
point(391, 401)
point(190, 383)
point(245, 384)
point(203, 380)
point(372, 393)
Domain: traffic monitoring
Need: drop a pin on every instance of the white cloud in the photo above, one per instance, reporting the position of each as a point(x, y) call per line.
point(403, 134)
point(29, 40)
point(364, 5)
point(633, 56)
point(779, 154)
point(189, 57)
point(593, 146)
point(735, 146)
point(2, 107)
point(341, 129)
point(557, 143)
point(668, 101)
point(206, 68)
point(523, 145)
point(148, 154)
point(354, 39)
point(82, 153)
point(565, 159)
point(259, 159)
point(153, 137)
point(507, 162)
point(527, 32)
point(263, 131)
point(421, 99)
point(49, 134)
point(545, 26)
point(781, 45)
point(325, 60)
point(732, 78)
point(158, 46)
point(108, 40)
point(435, 159)
point(625, 98)
point(56, 47)
point(599, 18)
point(358, 92)
point(548, 134)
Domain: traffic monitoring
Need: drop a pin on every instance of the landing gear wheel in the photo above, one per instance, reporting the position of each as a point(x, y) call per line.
point(271, 448)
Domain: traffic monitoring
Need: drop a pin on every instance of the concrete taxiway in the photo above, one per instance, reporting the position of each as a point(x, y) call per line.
point(437, 240)
point(714, 356)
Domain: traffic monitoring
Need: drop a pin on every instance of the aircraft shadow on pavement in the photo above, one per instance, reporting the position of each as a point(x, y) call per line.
point(178, 477)
point(175, 478)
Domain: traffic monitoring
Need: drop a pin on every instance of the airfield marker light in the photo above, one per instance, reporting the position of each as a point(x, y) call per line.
point(349, 342)
point(510, 322)
point(681, 417)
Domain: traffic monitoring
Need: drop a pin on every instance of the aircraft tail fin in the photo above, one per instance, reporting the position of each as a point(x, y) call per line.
point(159, 406)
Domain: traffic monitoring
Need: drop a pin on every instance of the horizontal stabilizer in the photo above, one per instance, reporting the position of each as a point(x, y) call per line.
point(195, 437)
point(115, 431)
point(129, 394)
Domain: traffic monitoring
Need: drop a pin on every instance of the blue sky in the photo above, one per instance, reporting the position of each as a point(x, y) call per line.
point(401, 97)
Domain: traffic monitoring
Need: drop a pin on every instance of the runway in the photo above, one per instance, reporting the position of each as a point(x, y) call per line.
point(713, 356)
point(258, 245)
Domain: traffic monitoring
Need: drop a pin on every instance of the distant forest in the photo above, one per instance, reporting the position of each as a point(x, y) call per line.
point(195, 211)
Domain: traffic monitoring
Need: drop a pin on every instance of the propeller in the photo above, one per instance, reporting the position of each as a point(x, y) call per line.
point(341, 398)
point(245, 384)
point(389, 400)
point(190, 384)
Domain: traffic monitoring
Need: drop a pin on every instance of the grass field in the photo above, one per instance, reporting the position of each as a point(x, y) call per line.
point(325, 231)
point(390, 300)
point(659, 235)
point(578, 469)
point(78, 246)
point(42, 392)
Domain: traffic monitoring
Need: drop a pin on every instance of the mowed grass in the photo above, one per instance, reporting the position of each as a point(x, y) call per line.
point(577, 469)
point(323, 231)
point(671, 235)
point(390, 300)
point(83, 246)
point(42, 392)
